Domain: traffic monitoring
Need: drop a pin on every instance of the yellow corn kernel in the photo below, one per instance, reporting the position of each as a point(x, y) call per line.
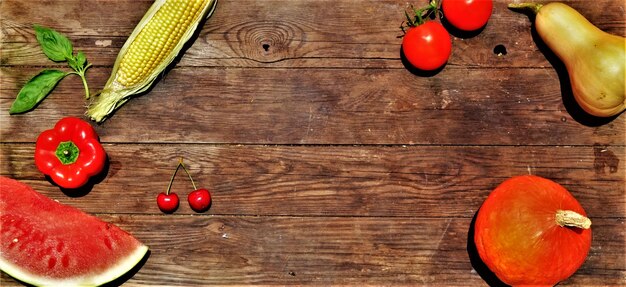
point(156, 40)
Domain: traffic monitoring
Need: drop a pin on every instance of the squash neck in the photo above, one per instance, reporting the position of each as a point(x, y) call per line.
point(530, 7)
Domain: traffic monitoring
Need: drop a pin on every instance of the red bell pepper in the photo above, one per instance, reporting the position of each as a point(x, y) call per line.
point(70, 153)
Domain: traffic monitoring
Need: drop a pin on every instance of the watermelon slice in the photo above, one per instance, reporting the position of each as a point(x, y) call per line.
point(44, 242)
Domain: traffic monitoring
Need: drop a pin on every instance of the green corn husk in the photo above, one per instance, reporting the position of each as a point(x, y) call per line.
point(153, 27)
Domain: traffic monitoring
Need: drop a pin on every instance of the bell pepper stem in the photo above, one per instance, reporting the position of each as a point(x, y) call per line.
point(572, 219)
point(67, 152)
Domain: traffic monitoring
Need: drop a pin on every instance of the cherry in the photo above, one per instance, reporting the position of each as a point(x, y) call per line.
point(199, 199)
point(167, 202)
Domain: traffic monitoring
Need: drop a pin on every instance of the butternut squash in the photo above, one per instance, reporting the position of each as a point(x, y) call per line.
point(594, 59)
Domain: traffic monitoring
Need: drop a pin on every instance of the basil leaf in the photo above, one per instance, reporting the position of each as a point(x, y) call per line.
point(73, 63)
point(35, 90)
point(78, 62)
point(56, 46)
point(81, 59)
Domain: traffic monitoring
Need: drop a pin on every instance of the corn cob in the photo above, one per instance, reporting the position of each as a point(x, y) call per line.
point(152, 46)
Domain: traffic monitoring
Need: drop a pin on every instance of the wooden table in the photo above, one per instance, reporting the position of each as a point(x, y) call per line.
point(329, 161)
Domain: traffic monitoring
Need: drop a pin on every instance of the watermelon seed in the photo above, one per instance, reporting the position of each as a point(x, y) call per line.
point(65, 261)
point(51, 262)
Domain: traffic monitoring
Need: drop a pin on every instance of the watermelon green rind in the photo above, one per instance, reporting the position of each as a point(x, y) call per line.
point(46, 243)
point(111, 274)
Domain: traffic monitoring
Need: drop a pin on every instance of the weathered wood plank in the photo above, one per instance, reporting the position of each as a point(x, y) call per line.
point(224, 250)
point(414, 181)
point(299, 33)
point(336, 106)
point(329, 162)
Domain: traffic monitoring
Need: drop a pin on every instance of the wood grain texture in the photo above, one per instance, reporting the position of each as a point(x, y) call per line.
point(329, 160)
point(301, 33)
point(338, 106)
point(224, 250)
point(335, 180)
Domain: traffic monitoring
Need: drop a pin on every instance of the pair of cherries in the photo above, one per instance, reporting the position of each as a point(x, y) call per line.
point(199, 199)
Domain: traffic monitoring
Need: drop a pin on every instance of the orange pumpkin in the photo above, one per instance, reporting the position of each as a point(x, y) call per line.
point(532, 231)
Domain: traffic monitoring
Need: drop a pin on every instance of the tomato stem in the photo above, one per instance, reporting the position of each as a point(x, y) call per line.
point(421, 14)
point(572, 219)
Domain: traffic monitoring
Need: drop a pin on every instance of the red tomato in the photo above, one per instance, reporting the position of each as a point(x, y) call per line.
point(467, 15)
point(427, 46)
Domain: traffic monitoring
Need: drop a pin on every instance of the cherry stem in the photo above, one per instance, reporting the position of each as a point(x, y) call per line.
point(572, 219)
point(169, 186)
point(188, 174)
point(180, 164)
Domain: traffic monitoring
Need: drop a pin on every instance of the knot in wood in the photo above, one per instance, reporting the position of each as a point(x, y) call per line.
point(268, 41)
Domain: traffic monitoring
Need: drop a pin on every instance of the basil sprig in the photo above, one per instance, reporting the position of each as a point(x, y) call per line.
point(58, 49)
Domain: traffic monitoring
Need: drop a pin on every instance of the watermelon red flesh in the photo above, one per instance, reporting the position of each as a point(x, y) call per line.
point(44, 242)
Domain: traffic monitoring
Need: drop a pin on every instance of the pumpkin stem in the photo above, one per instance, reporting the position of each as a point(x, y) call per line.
point(572, 219)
